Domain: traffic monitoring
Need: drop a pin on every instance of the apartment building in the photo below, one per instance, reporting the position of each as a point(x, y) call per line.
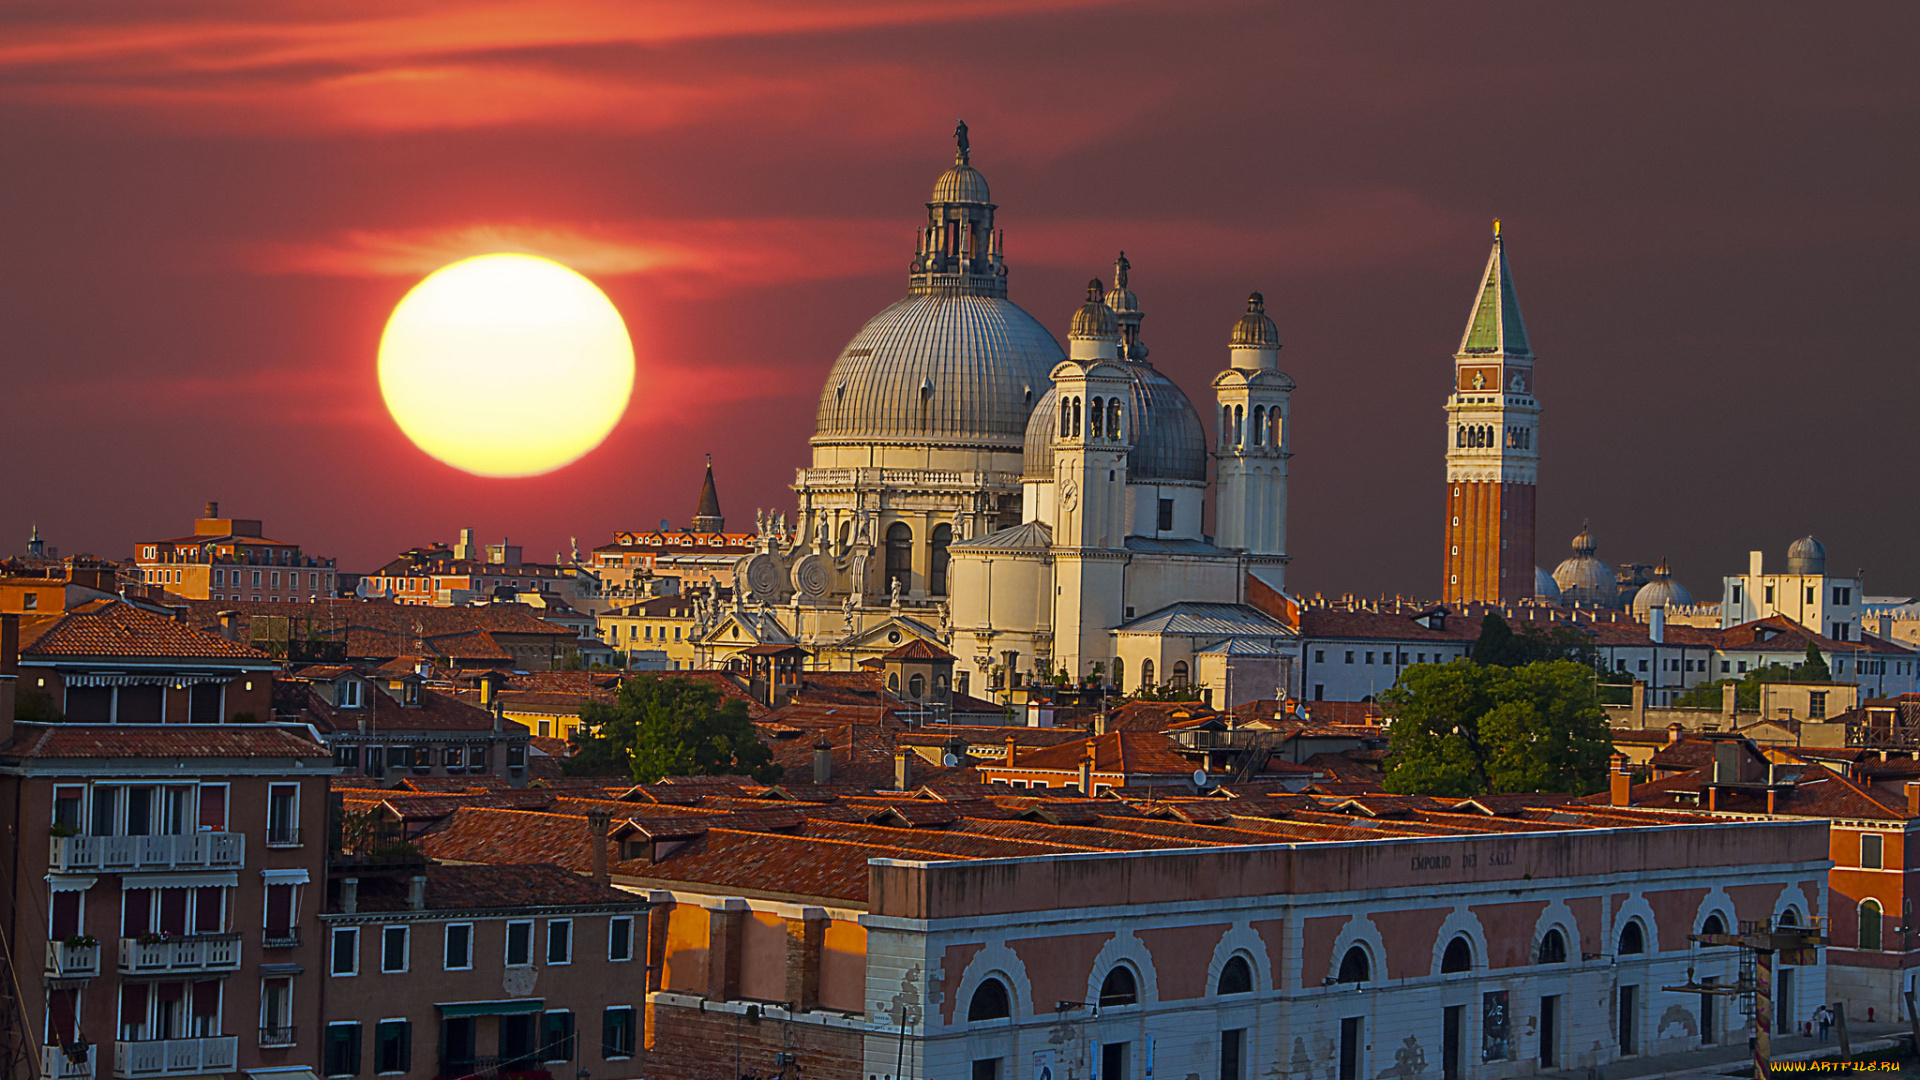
point(233, 559)
point(439, 970)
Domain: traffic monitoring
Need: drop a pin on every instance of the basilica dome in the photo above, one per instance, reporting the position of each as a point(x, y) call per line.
point(955, 364)
point(1662, 591)
point(1544, 587)
point(1584, 579)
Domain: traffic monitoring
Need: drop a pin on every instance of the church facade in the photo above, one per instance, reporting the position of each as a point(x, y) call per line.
point(974, 484)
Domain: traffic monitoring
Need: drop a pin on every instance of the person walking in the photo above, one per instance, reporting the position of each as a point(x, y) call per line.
point(1824, 1019)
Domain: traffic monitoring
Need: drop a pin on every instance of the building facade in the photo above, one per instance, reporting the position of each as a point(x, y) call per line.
point(232, 559)
point(1493, 453)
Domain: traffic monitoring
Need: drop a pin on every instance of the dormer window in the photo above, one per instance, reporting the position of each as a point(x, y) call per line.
point(347, 693)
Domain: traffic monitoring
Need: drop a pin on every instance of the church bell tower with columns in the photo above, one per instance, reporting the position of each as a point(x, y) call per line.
point(1493, 455)
point(1250, 466)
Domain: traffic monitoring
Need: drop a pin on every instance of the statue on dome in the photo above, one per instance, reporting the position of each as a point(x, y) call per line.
point(960, 140)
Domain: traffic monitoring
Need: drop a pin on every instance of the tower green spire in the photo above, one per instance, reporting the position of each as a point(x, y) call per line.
point(1496, 327)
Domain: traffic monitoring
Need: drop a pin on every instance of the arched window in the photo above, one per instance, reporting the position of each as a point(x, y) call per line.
point(917, 687)
point(1226, 425)
point(1274, 428)
point(1259, 425)
point(900, 556)
point(1870, 925)
point(1115, 429)
point(1714, 924)
point(1119, 988)
point(990, 1002)
point(1460, 436)
point(1119, 674)
point(1553, 947)
point(1790, 917)
point(1179, 673)
point(1236, 977)
point(1458, 957)
point(1239, 424)
point(1066, 416)
point(1096, 416)
point(893, 683)
point(1146, 674)
point(1355, 967)
point(1633, 940)
point(1076, 417)
point(937, 559)
point(846, 535)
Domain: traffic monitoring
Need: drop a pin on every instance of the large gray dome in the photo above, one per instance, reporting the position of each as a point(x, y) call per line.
point(1806, 556)
point(1168, 442)
point(1662, 591)
point(1585, 579)
point(950, 369)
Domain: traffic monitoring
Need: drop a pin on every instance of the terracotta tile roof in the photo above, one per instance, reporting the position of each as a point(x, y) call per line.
point(1344, 712)
point(1127, 753)
point(381, 630)
point(118, 630)
point(918, 650)
point(436, 712)
point(1365, 625)
point(475, 834)
point(762, 863)
point(468, 888)
point(161, 741)
point(1153, 716)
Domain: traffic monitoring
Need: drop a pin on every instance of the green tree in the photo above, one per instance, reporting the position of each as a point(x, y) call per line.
point(1747, 694)
point(1499, 645)
point(671, 726)
point(1814, 669)
point(1469, 729)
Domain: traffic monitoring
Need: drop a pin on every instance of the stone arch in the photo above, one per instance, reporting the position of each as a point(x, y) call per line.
point(1358, 931)
point(998, 962)
point(1555, 916)
point(1461, 923)
point(1125, 949)
point(1241, 941)
point(1635, 909)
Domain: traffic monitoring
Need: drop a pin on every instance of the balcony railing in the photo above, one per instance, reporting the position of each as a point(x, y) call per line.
point(66, 961)
point(175, 1057)
point(284, 836)
point(198, 952)
point(285, 937)
point(56, 1065)
point(277, 1036)
point(193, 851)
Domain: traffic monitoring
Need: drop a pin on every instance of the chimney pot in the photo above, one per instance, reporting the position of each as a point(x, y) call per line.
point(1913, 799)
point(597, 823)
point(822, 762)
point(349, 895)
point(1673, 733)
point(903, 769)
point(417, 893)
point(213, 510)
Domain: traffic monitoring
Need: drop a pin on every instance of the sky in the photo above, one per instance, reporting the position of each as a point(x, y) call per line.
point(209, 208)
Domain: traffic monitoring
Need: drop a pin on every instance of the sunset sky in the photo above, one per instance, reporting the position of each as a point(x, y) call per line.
point(208, 210)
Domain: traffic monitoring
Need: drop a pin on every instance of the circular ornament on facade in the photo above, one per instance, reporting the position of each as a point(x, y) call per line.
point(893, 637)
point(812, 577)
point(763, 577)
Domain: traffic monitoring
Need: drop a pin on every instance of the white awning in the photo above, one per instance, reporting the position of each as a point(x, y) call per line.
point(296, 876)
point(156, 679)
point(180, 881)
point(282, 1072)
point(69, 883)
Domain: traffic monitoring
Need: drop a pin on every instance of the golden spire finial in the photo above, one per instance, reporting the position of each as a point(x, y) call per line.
point(1496, 228)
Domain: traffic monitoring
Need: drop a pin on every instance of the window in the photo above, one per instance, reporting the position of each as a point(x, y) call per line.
point(1369, 658)
point(1236, 977)
point(343, 1049)
point(1355, 966)
point(519, 944)
point(620, 937)
point(937, 559)
point(990, 1002)
point(559, 941)
point(1119, 988)
point(1870, 925)
point(1553, 947)
point(281, 916)
point(1643, 665)
point(283, 815)
point(1725, 667)
point(1870, 851)
point(556, 1036)
point(393, 948)
point(900, 556)
point(276, 1012)
point(1816, 704)
point(1458, 957)
point(1319, 656)
point(616, 1032)
point(986, 1069)
point(1165, 523)
point(393, 1046)
point(1230, 1046)
point(1349, 656)
point(346, 951)
point(1633, 940)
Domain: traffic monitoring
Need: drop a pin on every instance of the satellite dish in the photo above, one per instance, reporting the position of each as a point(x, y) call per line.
point(1199, 778)
point(949, 761)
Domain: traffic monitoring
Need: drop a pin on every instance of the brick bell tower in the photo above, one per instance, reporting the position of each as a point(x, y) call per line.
point(1493, 455)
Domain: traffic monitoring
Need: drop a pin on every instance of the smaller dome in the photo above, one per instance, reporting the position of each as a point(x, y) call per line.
point(1584, 544)
point(1095, 321)
point(1806, 556)
point(961, 184)
point(1584, 579)
point(1544, 587)
point(1662, 591)
point(1255, 330)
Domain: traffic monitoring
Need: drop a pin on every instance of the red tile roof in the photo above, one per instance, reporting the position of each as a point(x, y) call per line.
point(508, 886)
point(1125, 753)
point(162, 741)
point(918, 650)
point(118, 630)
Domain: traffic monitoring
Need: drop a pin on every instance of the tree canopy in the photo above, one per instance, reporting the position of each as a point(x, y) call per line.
point(1471, 729)
point(669, 726)
point(1499, 645)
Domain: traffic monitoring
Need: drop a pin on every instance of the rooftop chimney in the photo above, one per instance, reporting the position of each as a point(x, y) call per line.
point(1622, 782)
point(1753, 563)
point(417, 893)
point(1729, 702)
point(1913, 799)
point(1639, 704)
point(822, 762)
point(1673, 733)
point(903, 769)
point(349, 895)
point(1100, 722)
point(597, 823)
point(1010, 745)
point(1086, 772)
point(213, 510)
point(230, 625)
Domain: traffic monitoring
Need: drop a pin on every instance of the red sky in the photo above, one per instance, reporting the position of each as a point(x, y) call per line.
point(207, 214)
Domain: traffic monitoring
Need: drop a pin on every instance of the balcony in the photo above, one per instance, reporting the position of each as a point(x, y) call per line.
point(277, 1036)
point(180, 955)
point(175, 1057)
point(56, 1065)
point(66, 961)
point(107, 854)
point(285, 937)
point(284, 836)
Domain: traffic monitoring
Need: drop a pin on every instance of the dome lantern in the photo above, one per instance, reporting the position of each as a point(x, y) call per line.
point(958, 252)
point(1255, 344)
point(1095, 333)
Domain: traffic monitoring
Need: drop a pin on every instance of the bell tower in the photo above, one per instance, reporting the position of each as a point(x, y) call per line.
point(1092, 434)
point(1250, 510)
point(1493, 455)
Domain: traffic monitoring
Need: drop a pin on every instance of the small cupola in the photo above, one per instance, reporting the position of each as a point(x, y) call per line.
point(1095, 333)
point(1255, 344)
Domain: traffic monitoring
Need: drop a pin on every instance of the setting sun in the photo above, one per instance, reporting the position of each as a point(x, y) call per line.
point(506, 365)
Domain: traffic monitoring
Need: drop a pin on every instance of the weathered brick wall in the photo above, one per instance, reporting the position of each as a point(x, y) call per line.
point(689, 1044)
